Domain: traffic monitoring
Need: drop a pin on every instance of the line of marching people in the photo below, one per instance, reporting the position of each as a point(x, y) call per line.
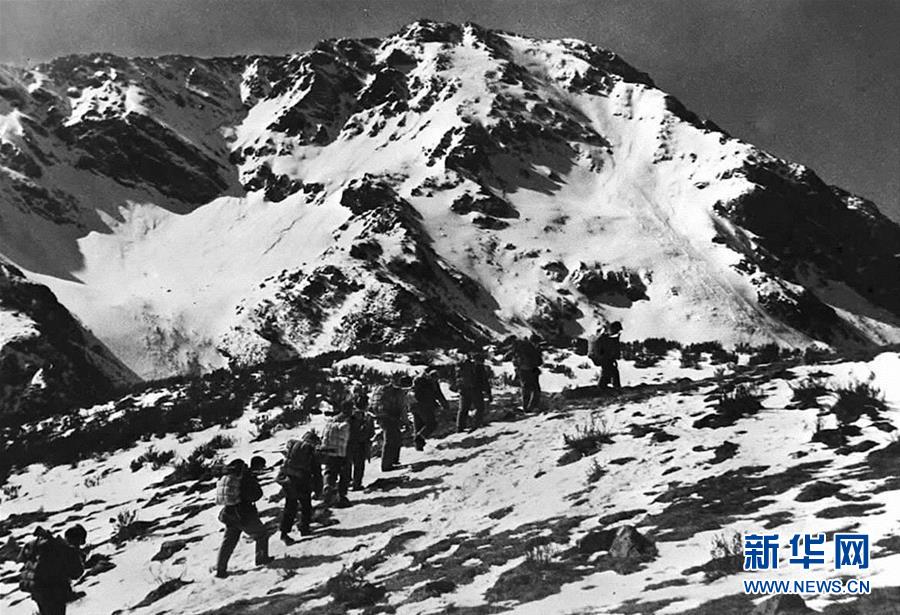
point(329, 462)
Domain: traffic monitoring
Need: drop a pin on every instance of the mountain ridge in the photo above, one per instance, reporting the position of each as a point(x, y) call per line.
point(509, 184)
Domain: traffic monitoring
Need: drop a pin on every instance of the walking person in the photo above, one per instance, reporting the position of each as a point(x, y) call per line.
point(473, 383)
point(527, 360)
point(428, 398)
point(333, 452)
point(605, 352)
point(237, 492)
point(50, 564)
point(300, 476)
point(359, 446)
point(387, 405)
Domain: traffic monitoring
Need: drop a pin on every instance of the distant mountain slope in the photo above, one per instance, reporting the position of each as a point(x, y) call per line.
point(442, 184)
point(48, 361)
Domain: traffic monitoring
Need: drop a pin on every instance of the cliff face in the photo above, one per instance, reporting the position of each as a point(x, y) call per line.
point(442, 184)
point(48, 361)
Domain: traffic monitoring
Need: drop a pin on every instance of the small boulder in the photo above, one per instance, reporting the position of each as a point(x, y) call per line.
point(598, 540)
point(439, 587)
point(631, 544)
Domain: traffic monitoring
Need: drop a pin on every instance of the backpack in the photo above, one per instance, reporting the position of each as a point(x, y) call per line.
point(335, 435)
point(526, 356)
point(41, 567)
point(228, 490)
point(595, 353)
point(384, 400)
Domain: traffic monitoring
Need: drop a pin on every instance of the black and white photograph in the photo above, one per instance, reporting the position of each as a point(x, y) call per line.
point(428, 307)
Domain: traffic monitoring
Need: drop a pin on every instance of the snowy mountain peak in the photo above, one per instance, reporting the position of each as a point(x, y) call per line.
point(442, 185)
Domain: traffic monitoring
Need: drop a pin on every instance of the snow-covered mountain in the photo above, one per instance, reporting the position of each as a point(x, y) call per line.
point(444, 183)
point(47, 359)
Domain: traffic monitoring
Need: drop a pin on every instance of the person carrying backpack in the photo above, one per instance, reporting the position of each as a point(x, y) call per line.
point(428, 397)
point(473, 382)
point(333, 452)
point(50, 563)
point(300, 476)
point(527, 360)
point(386, 402)
point(605, 352)
point(359, 445)
point(237, 492)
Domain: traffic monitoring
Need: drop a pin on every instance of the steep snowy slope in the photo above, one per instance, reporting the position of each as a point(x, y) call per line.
point(496, 521)
point(48, 361)
point(442, 184)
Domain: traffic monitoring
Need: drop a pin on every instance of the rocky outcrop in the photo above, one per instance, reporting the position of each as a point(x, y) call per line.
point(48, 361)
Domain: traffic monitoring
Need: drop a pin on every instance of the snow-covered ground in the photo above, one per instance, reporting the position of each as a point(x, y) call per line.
point(490, 493)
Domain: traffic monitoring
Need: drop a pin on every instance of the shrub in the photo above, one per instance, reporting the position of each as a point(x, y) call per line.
point(155, 458)
point(733, 404)
point(651, 347)
point(595, 472)
point(711, 347)
point(856, 399)
point(220, 441)
point(690, 359)
point(586, 440)
point(727, 556)
point(808, 391)
point(126, 526)
point(201, 464)
point(350, 589)
point(539, 556)
point(263, 425)
point(289, 416)
point(768, 353)
point(742, 399)
point(644, 361)
point(813, 355)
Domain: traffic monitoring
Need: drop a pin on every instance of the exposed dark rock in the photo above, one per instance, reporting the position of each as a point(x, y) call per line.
point(137, 149)
point(486, 203)
point(595, 283)
point(368, 249)
point(171, 547)
point(399, 60)
point(489, 223)
point(75, 367)
point(856, 245)
point(556, 271)
point(388, 87)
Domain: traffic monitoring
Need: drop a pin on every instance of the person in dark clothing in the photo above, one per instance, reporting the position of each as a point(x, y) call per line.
point(527, 360)
point(362, 428)
point(238, 492)
point(473, 382)
point(605, 353)
point(50, 563)
point(388, 406)
point(428, 397)
point(300, 476)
